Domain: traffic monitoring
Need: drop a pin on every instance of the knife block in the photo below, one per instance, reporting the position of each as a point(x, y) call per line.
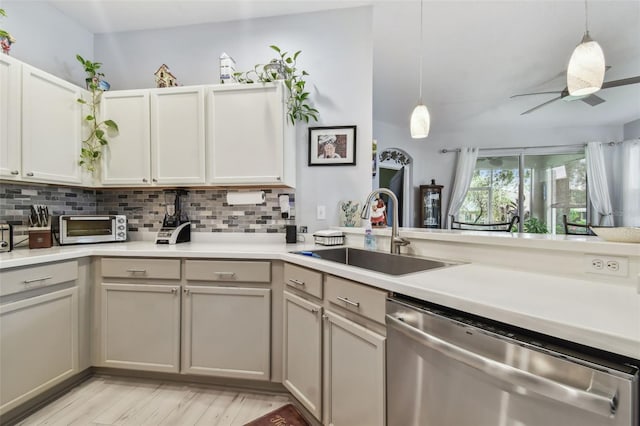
point(40, 238)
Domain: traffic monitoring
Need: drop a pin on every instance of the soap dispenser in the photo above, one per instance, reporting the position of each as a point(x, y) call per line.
point(369, 238)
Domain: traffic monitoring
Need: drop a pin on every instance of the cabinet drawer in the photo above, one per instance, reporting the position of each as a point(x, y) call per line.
point(141, 268)
point(303, 279)
point(228, 270)
point(358, 298)
point(22, 279)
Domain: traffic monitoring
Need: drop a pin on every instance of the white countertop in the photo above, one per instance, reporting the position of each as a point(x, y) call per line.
point(605, 316)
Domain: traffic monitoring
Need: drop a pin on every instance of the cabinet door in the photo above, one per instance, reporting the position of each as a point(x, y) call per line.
point(178, 135)
point(127, 158)
point(302, 351)
point(141, 326)
point(39, 347)
point(246, 134)
point(227, 332)
point(51, 128)
point(354, 385)
point(10, 139)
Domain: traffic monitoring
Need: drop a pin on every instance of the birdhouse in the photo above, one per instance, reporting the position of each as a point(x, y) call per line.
point(164, 78)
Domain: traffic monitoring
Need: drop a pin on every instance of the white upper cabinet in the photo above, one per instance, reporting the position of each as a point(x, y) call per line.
point(51, 128)
point(178, 135)
point(10, 76)
point(127, 159)
point(250, 141)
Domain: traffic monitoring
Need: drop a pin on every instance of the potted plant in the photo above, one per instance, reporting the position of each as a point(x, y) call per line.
point(92, 146)
point(284, 67)
point(6, 40)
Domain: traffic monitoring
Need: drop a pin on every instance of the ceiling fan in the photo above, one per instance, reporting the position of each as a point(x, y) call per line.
point(592, 100)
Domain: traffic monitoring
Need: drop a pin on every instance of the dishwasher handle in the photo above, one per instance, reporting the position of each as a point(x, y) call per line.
point(599, 404)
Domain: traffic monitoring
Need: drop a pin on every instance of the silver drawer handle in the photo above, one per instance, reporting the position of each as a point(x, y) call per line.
point(296, 282)
point(37, 279)
point(225, 274)
point(350, 302)
point(137, 271)
point(15, 172)
point(30, 174)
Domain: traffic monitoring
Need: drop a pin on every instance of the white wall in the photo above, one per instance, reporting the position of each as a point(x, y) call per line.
point(430, 163)
point(336, 50)
point(47, 39)
point(632, 129)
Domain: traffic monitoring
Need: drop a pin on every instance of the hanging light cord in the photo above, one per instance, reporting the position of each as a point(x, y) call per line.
point(420, 56)
point(586, 18)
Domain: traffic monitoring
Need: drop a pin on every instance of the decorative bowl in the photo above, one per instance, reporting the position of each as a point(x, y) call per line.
point(622, 234)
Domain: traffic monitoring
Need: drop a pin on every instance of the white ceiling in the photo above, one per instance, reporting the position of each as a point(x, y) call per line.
point(476, 53)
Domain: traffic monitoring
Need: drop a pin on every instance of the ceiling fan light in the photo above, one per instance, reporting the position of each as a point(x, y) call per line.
point(585, 72)
point(420, 122)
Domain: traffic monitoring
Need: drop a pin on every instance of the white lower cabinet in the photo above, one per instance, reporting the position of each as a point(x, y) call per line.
point(354, 374)
point(39, 344)
point(302, 352)
point(227, 331)
point(141, 326)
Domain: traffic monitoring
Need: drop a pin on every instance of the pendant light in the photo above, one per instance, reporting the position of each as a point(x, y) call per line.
point(585, 72)
point(420, 119)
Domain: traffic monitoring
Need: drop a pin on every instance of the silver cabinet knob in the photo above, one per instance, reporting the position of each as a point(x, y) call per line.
point(30, 174)
point(15, 172)
point(154, 180)
point(145, 180)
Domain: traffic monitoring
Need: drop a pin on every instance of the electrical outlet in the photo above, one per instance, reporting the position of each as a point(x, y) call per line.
point(303, 229)
point(606, 265)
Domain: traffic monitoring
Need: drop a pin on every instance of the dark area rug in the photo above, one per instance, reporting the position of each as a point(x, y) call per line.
point(287, 415)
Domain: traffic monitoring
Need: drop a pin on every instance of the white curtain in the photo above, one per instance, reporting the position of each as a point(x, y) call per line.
point(464, 172)
point(597, 184)
point(625, 183)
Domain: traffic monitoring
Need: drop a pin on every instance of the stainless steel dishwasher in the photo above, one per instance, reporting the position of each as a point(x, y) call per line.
point(446, 368)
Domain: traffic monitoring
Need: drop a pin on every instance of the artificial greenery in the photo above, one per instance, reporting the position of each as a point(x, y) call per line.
point(92, 146)
point(284, 68)
point(3, 33)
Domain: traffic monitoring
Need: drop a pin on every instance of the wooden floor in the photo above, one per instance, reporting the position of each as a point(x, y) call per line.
point(123, 401)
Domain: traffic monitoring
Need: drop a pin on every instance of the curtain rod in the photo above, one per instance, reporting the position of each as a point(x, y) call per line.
point(446, 151)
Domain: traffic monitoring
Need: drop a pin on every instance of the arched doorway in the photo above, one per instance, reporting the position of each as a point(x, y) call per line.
point(395, 171)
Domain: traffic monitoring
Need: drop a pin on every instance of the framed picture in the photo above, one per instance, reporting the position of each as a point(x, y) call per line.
point(332, 146)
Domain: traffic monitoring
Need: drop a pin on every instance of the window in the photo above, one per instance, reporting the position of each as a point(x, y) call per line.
point(544, 186)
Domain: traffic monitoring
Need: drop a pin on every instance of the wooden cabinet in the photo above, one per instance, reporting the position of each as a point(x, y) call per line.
point(302, 351)
point(226, 331)
point(10, 130)
point(227, 319)
point(178, 135)
point(249, 139)
point(141, 326)
point(161, 138)
point(354, 374)
point(51, 128)
point(127, 158)
point(335, 368)
point(140, 314)
point(431, 205)
point(38, 331)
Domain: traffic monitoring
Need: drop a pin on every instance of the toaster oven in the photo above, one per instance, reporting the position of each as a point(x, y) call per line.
point(83, 229)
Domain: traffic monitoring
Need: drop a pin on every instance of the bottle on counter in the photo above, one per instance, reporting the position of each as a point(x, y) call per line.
point(369, 238)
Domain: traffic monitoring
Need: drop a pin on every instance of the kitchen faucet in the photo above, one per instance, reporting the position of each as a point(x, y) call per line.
point(396, 240)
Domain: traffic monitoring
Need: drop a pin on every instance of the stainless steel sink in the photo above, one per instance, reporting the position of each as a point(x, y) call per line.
point(387, 263)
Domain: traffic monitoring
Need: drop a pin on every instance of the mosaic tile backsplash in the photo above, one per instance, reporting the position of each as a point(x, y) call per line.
point(207, 209)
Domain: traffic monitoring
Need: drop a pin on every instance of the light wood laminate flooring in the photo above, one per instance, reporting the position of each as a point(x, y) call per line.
point(106, 400)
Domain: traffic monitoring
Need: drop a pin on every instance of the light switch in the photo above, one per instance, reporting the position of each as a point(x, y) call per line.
point(321, 213)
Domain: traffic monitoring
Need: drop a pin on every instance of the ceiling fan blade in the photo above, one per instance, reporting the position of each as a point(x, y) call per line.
point(555, 92)
point(623, 82)
point(593, 100)
point(541, 105)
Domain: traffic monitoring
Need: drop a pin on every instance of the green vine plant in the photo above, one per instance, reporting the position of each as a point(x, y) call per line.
point(284, 68)
point(3, 33)
point(92, 146)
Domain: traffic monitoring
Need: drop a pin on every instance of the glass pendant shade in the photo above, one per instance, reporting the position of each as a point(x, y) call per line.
point(585, 72)
point(420, 122)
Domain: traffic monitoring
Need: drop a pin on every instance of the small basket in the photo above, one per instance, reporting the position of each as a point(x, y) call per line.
point(329, 238)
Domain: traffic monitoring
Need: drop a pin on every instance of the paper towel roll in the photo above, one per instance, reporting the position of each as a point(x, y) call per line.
point(239, 198)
